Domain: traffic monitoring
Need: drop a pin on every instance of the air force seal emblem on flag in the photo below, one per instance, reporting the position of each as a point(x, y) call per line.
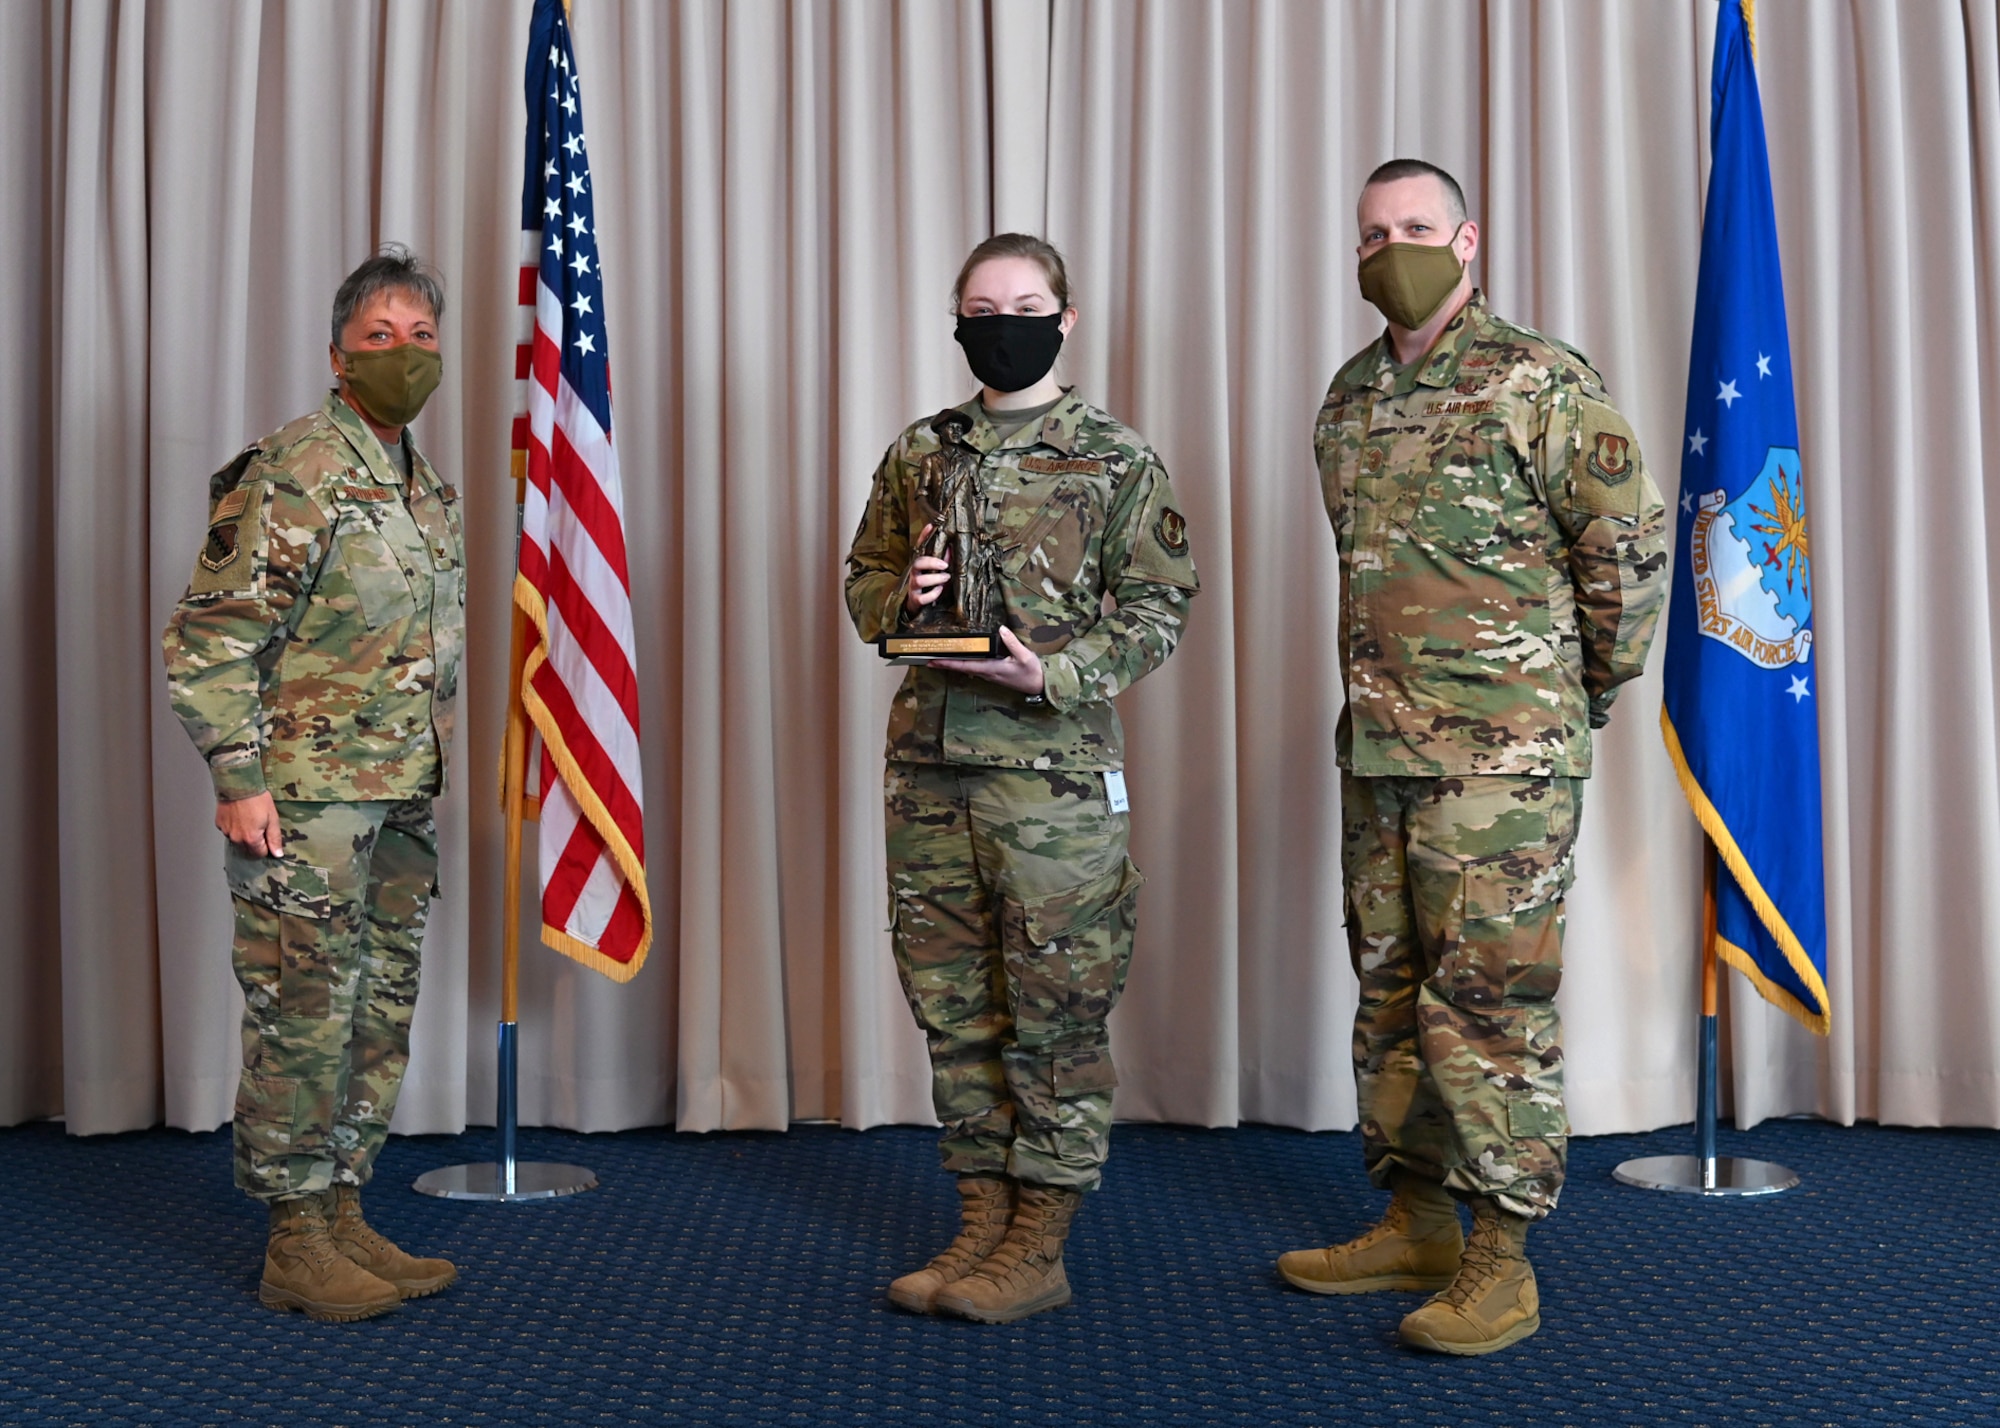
point(1752, 567)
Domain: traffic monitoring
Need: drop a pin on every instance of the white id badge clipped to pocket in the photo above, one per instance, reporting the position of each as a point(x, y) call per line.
point(1114, 791)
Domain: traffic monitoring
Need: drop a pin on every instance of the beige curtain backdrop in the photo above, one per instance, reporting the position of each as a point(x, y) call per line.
point(784, 191)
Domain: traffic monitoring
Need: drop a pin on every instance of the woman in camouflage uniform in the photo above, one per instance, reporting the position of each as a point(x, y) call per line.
point(1012, 900)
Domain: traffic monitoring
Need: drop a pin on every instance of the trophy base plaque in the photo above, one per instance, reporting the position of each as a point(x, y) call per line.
point(919, 646)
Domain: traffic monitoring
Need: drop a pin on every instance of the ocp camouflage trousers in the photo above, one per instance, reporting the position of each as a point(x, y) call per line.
point(1455, 892)
point(328, 939)
point(1012, 907)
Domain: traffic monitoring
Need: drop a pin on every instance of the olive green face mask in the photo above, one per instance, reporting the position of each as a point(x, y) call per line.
point(393, 383)
point(1410, 281)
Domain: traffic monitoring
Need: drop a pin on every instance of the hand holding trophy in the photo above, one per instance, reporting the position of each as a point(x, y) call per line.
point(959, 616)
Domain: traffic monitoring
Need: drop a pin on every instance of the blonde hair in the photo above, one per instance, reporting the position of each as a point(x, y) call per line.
point(1016, 245)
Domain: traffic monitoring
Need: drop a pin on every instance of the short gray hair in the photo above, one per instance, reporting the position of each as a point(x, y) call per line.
point(391, 268)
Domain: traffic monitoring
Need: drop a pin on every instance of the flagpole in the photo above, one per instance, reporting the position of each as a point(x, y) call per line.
point(1705, 1172)
point(508, 1179)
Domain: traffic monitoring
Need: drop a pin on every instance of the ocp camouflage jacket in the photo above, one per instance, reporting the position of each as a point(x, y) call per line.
point(1080, 506)
point(315, 654)
point(1503, 553)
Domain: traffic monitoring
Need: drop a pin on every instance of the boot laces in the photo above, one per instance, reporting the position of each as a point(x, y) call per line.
point(1395, 1223)
point(357, 1229)
point(975, 1235)
point(1027, 1241)
point(1484, 1260)
point(314, 1237)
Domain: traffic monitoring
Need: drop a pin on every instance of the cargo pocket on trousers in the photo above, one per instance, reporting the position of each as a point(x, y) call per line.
point(1069, 971)
point(302, 897)
point(1509, 931)
point(267, 1113)
point(1532, 1115)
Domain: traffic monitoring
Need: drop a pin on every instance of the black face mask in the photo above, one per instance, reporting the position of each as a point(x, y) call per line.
point(1009, 353)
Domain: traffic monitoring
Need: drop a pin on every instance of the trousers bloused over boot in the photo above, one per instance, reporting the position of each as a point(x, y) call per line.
point(359, 1241)
point(1025, 1274)
point(1493, 1302)
point(1416, 1246)
point(986, 1203)
point(304, 1270)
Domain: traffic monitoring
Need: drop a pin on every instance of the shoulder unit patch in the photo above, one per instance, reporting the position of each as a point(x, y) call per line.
point(1610, 458)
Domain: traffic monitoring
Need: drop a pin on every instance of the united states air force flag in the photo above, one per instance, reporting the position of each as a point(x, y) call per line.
point(1742, 690)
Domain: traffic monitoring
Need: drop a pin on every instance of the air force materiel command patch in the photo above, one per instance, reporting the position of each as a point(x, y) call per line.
point(222, 547)
point(1610, 458)
point(1173, 531)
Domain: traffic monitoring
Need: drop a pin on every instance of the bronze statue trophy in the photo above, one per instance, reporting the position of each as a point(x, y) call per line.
point(964, 621)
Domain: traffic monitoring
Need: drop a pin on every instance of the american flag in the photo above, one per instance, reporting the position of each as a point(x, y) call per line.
point(578, 681)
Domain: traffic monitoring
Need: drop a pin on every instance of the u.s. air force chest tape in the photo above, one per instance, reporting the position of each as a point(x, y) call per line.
point(1605, 469)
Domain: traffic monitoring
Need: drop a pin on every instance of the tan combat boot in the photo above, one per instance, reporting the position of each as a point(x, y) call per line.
point(1025, 1274)
point(986, 1203)
point(355, 1238)
point(1493, 1302)
point(303, 1269)
point(1415, 1247)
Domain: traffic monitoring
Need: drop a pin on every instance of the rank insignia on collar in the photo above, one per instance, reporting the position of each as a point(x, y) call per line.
point(1172, 529)
point(1610, 458)
point(222, 548)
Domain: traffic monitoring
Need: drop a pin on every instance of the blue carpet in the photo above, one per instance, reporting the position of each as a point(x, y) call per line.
point(736, 1280)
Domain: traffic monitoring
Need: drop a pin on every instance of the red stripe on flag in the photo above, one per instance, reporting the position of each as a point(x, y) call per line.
point(574, 866)
point(599, 645)
point(532, 563)
point(592, 507)
point(547, 361)
point(627, 926)
point(591, 760)
point(530, 278)
point(521, 433)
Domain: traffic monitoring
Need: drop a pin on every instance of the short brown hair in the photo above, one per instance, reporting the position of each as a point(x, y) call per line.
point(1454, 196)
point(1017, 245)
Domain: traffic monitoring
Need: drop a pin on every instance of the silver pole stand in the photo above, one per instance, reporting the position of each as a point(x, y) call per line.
point(1705, 1172)
point(508, 1180)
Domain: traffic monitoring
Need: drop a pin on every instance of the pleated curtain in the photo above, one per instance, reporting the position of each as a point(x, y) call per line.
point(785, 189)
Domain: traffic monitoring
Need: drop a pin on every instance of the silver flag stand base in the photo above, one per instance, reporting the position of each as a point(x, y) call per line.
point(533, 1180)
point(1723, 1175)
point(1705, 1172)
point(507, 1181)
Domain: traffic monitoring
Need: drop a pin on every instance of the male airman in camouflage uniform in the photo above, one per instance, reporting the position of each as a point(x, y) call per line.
point(314, 662)
point(1502, 563)
point(1012, 898)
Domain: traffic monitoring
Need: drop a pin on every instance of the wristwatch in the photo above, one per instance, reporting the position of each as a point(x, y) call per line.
point(1037, 700)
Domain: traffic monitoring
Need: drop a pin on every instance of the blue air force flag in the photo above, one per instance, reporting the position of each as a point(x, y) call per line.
point(1741, 713)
